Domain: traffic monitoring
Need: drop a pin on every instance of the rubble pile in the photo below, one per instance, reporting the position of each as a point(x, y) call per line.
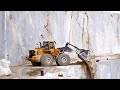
point(4, 67)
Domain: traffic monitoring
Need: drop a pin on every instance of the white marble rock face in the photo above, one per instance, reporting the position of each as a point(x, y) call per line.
point(96, 31)
point(67, 72)
point(2, 39)
point(107, 69)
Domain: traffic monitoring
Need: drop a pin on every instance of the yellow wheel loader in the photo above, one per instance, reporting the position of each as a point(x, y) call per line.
point(46, 53)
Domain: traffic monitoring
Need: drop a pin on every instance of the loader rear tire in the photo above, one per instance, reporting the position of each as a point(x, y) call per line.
point(46, 60)
point(63, 60)
point(36, 63)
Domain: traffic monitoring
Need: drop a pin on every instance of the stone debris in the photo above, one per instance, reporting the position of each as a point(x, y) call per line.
point(4, 67)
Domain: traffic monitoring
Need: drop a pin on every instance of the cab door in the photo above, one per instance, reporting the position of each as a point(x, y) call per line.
point(52, 48)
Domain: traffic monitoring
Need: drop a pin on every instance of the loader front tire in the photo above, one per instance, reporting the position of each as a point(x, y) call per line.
point(63, 60)
point(46, 60)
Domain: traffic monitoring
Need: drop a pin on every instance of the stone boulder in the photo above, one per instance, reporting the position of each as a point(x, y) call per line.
point(4, 67)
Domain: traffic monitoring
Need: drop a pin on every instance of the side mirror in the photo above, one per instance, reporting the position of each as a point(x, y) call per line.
point(54, 42)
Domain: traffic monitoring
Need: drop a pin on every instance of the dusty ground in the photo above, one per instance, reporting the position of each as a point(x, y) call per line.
point(30, 72)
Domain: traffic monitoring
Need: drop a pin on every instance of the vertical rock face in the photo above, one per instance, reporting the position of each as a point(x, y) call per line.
point(107, 69)
point(2, 41)
point(25, 29)
point(97, 31)
point(94, 30)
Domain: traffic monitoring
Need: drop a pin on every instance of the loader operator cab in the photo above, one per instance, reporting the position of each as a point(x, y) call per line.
point(45, 45)
point(48, 45)
point(52, 45)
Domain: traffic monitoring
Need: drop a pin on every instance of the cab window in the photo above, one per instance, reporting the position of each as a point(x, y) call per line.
point(45, 44)
point(52, 45)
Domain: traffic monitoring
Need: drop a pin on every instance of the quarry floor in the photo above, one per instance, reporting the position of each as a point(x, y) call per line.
point(34, 72)
point(107, 68)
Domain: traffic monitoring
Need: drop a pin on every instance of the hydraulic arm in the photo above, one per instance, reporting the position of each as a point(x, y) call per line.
point(83, 54)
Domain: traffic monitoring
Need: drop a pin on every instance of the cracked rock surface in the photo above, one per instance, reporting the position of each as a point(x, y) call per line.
point(96, 31)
